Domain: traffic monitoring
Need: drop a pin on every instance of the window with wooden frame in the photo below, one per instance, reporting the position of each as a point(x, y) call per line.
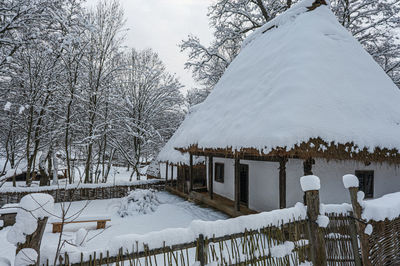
point(219, 172)
point(366, 182)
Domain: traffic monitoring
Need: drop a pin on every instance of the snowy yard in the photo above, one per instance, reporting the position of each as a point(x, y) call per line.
point(171, 212)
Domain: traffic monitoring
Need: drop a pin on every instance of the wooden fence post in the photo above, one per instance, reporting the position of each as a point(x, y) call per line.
point(357, 210)
point(354, 241)
point(310, 185)
point(201, 250)
point(34, 240)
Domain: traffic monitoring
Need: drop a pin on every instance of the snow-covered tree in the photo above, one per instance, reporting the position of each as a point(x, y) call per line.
point(149, 106)
point(372, 22)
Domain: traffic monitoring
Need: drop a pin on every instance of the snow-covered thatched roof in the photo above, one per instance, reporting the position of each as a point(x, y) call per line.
point(301, 82)
point(169, 154)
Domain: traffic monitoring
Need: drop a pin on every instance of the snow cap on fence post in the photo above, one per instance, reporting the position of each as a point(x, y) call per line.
point(350, 181)
point(310, 182)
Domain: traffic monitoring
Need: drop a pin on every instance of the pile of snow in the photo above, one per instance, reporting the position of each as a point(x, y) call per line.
point(153, 169)
point(338, 209)
point(7, 106)
point(385, 207)
point(368, 229)
point(282, 250)
point(310, 182)
point(350, 181)
point(25, 257)
point(138, 201)
point(323, 221)
point(80, 237)
point(317, 53)
point(31, 208)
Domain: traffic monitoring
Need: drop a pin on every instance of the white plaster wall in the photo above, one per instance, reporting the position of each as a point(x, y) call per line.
point(263, 185)
point(162, 171)
point(264, 181)
point(386, 179)
point(294, 170)
point(227, 188)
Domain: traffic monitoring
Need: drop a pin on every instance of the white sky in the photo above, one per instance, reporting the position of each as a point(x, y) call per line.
point(162, 24)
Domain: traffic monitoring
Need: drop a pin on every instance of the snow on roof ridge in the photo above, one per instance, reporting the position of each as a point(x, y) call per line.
point(289, 15)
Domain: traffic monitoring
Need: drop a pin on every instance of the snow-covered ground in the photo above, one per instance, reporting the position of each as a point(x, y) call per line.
point(171, 212)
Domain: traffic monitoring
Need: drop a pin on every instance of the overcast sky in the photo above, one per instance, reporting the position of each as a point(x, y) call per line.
point(162, 24)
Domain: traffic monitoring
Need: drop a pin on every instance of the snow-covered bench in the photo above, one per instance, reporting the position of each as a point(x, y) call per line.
point(7, 214)
point(100, 220)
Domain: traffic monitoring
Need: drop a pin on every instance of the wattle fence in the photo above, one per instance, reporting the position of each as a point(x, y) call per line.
point(313, 234)
point(291, 236)
point(77, 192)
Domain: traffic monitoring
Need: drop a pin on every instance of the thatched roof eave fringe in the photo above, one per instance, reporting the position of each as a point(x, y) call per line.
point(314, 148)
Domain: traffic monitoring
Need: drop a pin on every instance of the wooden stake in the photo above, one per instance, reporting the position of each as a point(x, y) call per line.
point(316, 237)
point(357, 210)
point(201, 250)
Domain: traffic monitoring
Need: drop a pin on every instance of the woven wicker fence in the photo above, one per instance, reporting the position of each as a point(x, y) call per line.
point(384, 243)
point(83, 192)
point(247, 248)
point(257, 247)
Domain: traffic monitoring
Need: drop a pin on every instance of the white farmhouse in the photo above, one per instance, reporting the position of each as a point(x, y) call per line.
point(302, 97)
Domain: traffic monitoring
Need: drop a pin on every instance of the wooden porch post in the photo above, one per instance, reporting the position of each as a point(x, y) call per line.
point(172, 173)
point(307, 166)
point(190, 172)
point(282, 183)
point(237, 184)
point(166, 171)
point(210, 177)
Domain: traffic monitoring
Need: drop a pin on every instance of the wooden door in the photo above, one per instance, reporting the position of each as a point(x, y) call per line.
point(244, 184)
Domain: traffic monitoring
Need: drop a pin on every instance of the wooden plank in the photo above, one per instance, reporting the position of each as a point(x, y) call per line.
point(83, 221)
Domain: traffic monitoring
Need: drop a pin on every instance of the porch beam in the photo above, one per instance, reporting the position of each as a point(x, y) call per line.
point(210, 177)
point(237, 184)
point(282, 183)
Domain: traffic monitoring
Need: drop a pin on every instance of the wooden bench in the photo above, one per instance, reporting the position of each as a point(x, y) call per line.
point(8, 213)
point(101, 222)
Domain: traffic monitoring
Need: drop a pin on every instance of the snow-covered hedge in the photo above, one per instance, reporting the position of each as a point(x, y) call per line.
point(140, 201)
